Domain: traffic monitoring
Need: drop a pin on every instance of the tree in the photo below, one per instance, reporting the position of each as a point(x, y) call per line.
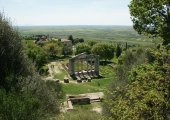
point(118, 51)
point(143, 91)
point(70, 37)
point(91, 42)
point(105, 51)
point(23, 95)
point(36, 54)
point(53, 48)
point(126, 46)
point(13, 62)
point(78, 40)
point(83, 47)
point(145, 97)
point(152, 18)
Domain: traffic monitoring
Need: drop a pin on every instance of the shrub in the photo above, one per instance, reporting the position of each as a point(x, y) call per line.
point(23, 95)
point(37, 54)
point(13, 62)
point(16, 106)
point(82, 47)
point(53, 48)
point(105, 51)
point(141, 90)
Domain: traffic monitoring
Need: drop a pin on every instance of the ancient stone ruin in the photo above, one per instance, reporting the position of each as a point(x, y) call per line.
point(84, 67)
point(81, 99)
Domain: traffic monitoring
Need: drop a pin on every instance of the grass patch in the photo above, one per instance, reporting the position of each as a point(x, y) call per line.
point(88, 87)
point(106, 71)
point(60, 75)
point(88, 106)
point(80, 114)
point(75, 89)
point(101, 84)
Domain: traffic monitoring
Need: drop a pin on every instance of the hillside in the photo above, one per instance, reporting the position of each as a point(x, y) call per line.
point(103, 33)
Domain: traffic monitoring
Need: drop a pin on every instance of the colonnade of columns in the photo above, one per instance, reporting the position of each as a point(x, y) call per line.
point(92, 63)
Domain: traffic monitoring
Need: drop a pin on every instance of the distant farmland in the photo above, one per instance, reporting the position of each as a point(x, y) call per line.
point(103, 33)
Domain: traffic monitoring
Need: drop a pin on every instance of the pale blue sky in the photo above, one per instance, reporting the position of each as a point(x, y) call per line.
point(67, 12)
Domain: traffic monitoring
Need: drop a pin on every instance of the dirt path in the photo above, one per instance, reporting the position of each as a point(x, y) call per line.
point(56, 68)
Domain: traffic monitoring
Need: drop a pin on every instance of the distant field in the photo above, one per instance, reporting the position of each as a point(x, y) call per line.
point(103, 33)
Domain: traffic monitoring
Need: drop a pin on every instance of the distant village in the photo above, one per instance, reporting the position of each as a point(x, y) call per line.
point(67, 43)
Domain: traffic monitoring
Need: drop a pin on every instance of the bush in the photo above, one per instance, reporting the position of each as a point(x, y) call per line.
point(16, 106)
point(83, 47)
point(13, 62)
point(44, 70)
point(141, 90)
point(23, 95)
point(118, 51)
point(105, 51)
point(53, 48)
point(91, 42)
point(36, 54)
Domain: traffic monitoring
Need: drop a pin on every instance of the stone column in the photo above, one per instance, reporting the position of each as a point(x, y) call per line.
point(87, 65)
point(71, 66)
point(97, 65)
point(91, 63)
point(78, 65)
point(82, 68)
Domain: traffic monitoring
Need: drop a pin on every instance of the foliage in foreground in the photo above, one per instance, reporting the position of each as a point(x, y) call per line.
point(23, 95)
point(152, 18)
point(145, 93)
point(16, 106)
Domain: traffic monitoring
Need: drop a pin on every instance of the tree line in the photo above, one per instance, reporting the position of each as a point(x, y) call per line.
point(105, 51)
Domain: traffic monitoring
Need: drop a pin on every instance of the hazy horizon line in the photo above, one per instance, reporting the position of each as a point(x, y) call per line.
point(65, 25)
